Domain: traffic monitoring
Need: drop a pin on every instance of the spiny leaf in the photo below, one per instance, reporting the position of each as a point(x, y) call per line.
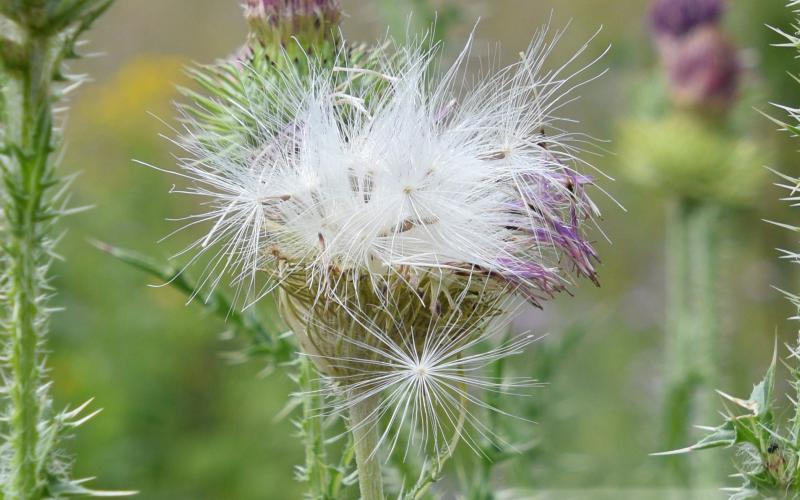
point(723, 436)
point(59, 489)
point(761, 396)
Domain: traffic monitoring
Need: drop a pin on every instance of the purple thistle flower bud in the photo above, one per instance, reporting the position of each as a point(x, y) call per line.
point(704, 70)
point(276, 10)
point(276, 23)
point(676, 18)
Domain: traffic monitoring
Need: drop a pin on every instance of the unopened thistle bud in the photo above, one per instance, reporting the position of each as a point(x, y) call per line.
point(677, 18)
point(681, 155)
point(281, 24)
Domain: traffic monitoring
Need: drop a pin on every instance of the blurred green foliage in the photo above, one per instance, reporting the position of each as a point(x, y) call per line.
point(699, 161)
point(184, 421)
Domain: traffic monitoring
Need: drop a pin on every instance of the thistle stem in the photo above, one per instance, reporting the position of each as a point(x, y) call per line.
point(25, 408)
point(692, 322)
point(312, 430)
point(27, 125)
point(366, 436)
point(795, 370)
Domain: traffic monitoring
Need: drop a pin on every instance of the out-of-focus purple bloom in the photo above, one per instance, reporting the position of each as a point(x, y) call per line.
point(704, 70)
point(676, 18)
point(703, 67)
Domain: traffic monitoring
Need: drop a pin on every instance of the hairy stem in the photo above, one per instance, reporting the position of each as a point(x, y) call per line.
point(25, 408)
point(315, 468)
point(692, 323)
point(491, 453)
point(366, 434)
point(27, 175)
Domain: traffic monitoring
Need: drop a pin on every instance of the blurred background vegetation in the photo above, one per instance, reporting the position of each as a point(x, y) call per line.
point(182, 421)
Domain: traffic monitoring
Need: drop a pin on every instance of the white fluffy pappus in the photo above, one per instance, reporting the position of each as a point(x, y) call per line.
point(397, 166)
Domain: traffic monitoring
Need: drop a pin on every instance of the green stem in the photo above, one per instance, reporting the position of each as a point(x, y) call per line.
point(704, 248)
point(27, 172)
point(692, 323)
point(491, 453)
point(366, 436)
point(795, 373)
point(25, 370)
point(312, 430)
point(25, 408)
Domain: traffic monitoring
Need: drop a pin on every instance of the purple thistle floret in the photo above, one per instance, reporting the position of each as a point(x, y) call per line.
point(568, 236)
point(550, 228)
point(579, 251)
point(676, 18)
point(532, 280)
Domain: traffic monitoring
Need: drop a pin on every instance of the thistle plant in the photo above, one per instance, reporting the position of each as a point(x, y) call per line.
point(397, 215)
point(768, 446)
point(685, 147)
point(37, 38)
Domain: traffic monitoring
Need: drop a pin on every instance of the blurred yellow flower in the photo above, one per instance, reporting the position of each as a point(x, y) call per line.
point(143, 87)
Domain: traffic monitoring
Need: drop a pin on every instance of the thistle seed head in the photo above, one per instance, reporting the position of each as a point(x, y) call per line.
point(338, 330)
point(397, 212)
point(366, 173)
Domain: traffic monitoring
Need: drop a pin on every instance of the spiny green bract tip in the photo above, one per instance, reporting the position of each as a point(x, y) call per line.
point(52, 16)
